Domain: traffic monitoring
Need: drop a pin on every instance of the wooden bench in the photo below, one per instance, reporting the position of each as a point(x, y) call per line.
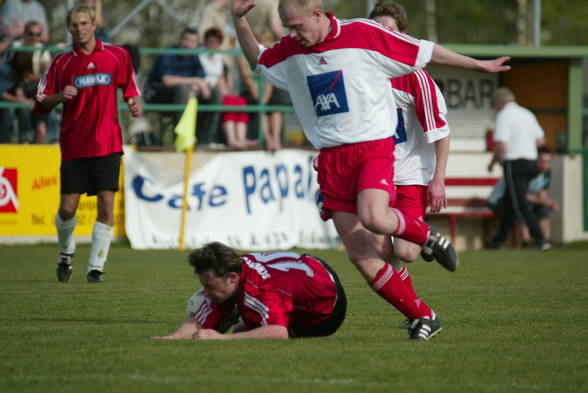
point(467, 197)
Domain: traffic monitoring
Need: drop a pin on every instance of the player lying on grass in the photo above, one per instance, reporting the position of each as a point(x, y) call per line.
point(276, 295)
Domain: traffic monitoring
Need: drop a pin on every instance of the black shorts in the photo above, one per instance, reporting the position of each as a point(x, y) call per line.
point(90, 175)
point(329, 325)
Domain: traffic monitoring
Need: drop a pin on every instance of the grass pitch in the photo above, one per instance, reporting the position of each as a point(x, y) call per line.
point(514, 321)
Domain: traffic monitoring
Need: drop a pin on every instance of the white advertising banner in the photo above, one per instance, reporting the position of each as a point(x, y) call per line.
point(247, 200)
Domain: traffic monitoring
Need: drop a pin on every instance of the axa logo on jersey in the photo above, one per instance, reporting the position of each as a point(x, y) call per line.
point(328, 93)
point(8, 190)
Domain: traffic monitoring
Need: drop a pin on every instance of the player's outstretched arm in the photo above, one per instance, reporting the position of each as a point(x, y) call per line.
point(267, 332)
point(185, 332)
point(447, 57)
point(248, 42)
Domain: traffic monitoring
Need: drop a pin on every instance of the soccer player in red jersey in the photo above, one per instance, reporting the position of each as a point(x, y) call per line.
point(85, 80)
point(337, 74)
point(276, 295)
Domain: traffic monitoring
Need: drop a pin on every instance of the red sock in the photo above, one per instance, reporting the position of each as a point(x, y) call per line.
point(389, 286)
point(411, 229)
point(405, 277)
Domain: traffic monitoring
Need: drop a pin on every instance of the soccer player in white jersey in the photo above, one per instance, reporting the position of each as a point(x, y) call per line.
point(421, 149)
point(337, 73)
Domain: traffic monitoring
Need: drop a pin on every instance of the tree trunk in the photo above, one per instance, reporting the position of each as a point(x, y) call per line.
point(523, 23)
point(431, 20)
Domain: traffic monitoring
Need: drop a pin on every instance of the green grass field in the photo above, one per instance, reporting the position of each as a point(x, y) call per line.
point(514, 321)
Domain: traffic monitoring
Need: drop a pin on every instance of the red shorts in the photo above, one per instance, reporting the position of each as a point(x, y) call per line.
point(412, 200)
point(237, 117)
point(344, 171)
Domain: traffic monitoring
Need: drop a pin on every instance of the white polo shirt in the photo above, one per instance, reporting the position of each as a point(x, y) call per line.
point(518, 128)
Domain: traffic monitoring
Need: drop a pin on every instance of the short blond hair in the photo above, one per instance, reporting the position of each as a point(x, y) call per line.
point(304, 5)
point(81, 9)
point(503, 95)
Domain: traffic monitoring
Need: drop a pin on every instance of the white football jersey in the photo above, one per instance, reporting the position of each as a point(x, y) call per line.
point(340, 87)
point(421, 120)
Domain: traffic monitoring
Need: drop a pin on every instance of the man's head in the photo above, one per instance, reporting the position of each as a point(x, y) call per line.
point(305, 20)
point(219, 269)
point(213, 38)
point(189, 38)
point(81, 22)
point(391, 15)
point(33, 32)
point(501, 97)
point(544, 159)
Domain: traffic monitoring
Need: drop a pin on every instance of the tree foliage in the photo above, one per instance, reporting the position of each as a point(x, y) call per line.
point(458, 21)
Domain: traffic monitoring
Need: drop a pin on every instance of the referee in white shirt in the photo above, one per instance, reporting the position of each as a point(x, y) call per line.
point(517, 134)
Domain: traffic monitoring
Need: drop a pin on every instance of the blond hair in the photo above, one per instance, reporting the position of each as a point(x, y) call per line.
point(304, 5)
point(81, 9)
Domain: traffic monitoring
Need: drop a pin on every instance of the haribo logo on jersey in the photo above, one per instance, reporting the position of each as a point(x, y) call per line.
point(328, 93)
point(92, 80)
point(8, 190)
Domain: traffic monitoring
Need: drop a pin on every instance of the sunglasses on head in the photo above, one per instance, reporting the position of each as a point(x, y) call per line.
point(33, 34)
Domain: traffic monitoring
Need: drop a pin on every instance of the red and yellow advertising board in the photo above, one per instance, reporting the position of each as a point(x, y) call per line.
point(29, 194)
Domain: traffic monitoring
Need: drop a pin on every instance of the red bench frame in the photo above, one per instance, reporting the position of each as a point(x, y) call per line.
point(474, 207)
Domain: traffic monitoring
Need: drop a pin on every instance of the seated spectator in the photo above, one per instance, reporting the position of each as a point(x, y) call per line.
point(174, 78)
point(28, 67)
point(6, 114)
point(542, 205)
point(214, 14)
point(17, 13)
point(234, 124)
point(272, 121)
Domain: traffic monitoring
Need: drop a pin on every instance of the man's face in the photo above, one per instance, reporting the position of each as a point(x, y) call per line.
point(213, 43)
point(544, 162)
point(82, 28)
point(33, 34)
point(387, 21)
point(304, 28)
point(189, 41)
point(219, 289)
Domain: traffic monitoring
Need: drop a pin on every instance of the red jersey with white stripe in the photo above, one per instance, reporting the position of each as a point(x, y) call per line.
point(421, 122)
point(277, 288)
point(90, 120)
point(339, 87)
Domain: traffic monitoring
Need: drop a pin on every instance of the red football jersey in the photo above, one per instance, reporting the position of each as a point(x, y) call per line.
point(90, 120)
point(277, 288)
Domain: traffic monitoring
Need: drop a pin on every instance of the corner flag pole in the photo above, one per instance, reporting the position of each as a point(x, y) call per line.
point(185, 138)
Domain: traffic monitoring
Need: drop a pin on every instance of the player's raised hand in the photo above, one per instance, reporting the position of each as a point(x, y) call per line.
point(241, 7)
point(495, 65)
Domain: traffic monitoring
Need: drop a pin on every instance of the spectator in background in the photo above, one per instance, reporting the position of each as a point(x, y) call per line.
point(214, 69)
point(27, 70)
point(517, 134)
point(542, 205)
point(6, 114)
point(101, 32)
point(174, 78)
point(214, 14)
point(266, 26)
point(17, 13)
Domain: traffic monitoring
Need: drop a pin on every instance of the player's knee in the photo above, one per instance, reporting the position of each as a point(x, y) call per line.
point(407, 252)
point(374, 222)
point(66, 213)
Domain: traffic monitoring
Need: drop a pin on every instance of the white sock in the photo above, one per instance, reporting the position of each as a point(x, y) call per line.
point(65, 228)
point(101, 237)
